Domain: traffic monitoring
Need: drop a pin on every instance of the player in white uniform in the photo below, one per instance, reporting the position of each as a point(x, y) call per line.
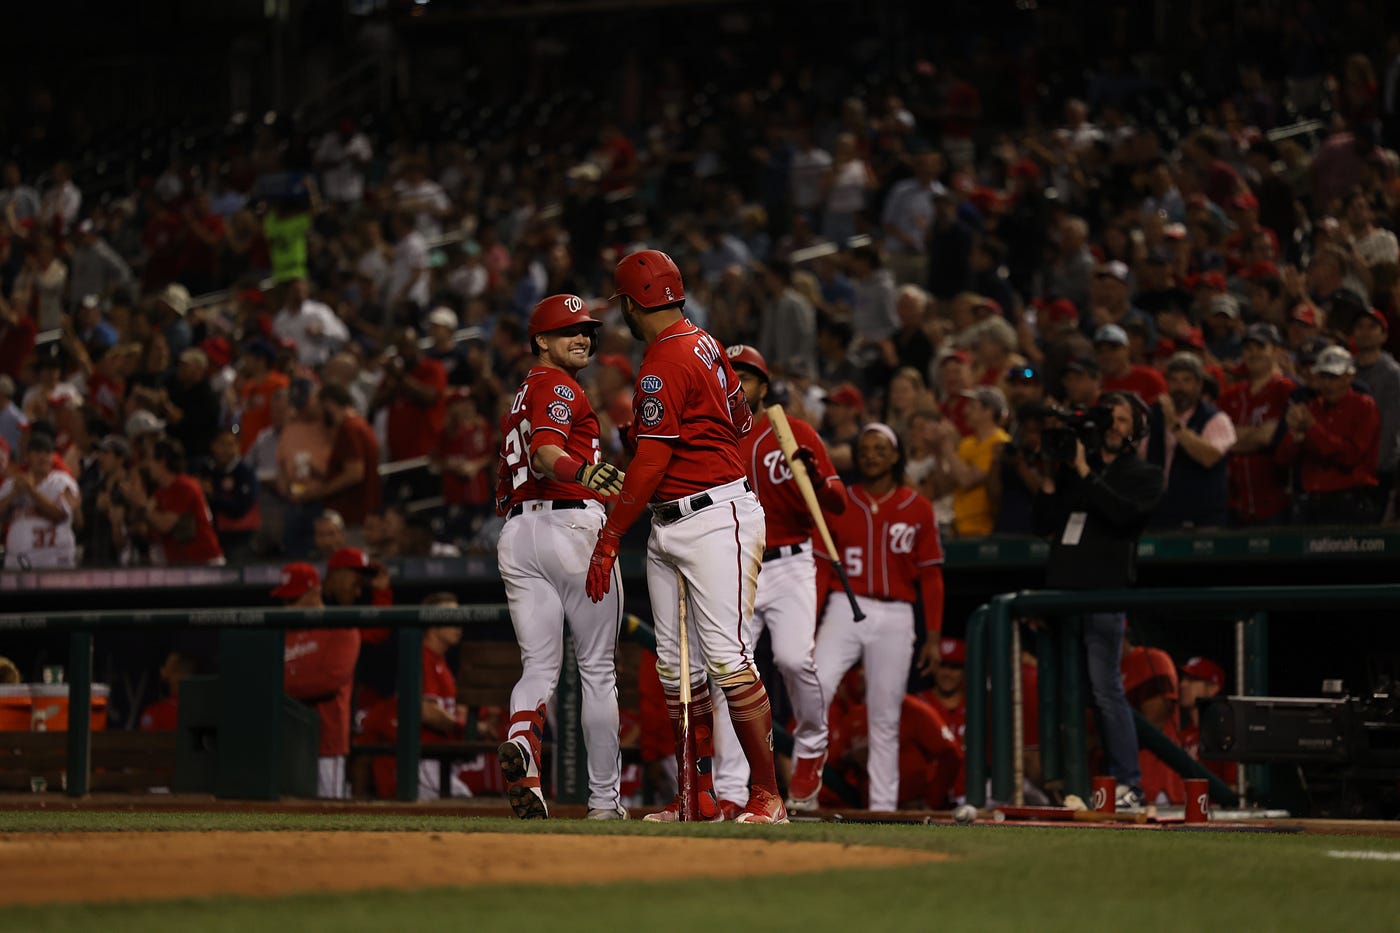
point(39, 505)
point(787, 589)
point(550, 489)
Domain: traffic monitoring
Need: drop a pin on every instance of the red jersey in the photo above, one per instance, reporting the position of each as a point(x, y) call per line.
point(1144, 381)
point(1258, 487)
point(355, 440)
point(789, 521)
point(184, 497)
point(255, 401)
point(161, 716)
point(930, 753)
point(688, 396)
point(105, 397)
point(886, 545)
point(549, 410)
point(319, 669)
point(413, 428)
point(1340, 450)
point(470, 442)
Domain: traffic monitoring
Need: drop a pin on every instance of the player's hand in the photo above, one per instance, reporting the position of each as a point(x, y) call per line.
point(600, 565)
point(808, 458)
point(601, 477)
point(929, 656)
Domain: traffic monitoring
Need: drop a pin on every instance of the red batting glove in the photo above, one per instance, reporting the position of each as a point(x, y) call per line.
point(809, 459)
point(600, 565)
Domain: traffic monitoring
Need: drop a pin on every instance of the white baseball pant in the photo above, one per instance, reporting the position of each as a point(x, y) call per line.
point(885, 640)
point(543, 557)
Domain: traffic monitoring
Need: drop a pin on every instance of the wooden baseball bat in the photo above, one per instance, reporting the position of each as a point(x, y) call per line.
point(783, 432)
point(689, 805)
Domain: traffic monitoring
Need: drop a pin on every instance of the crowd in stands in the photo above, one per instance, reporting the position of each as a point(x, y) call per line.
point(890, 256)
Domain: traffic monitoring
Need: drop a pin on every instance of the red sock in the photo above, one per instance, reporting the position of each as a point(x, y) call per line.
point(702, 728)
point(530, 727)
point(753, 723)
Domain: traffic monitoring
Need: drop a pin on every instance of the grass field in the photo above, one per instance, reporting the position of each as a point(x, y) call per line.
point(999, 878)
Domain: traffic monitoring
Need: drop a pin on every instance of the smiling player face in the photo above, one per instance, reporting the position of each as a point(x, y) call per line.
point(567, 348)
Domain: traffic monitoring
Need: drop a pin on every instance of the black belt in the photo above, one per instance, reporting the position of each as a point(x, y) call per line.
point(554, 506)
point(668, 512)
point(773, 553)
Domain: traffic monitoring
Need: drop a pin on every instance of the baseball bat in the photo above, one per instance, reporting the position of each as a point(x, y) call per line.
point(686, 779)
point(783, 432)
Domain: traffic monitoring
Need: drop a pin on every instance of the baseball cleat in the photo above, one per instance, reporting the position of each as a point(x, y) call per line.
point(520, 769)
point(730, 808)
point(806, 783)
point(763, 807)
point(607, 813)
point(710, 810)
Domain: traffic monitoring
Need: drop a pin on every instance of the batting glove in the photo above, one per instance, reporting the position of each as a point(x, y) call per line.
point(809, 460)
point(600, 565)
point(601, 478)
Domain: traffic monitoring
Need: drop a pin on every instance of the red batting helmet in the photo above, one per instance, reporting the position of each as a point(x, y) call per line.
point(650, 278)
point(741, 355)
point(558, 312)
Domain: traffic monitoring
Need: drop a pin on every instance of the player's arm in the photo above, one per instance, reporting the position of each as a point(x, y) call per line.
point(435, 717)
point(643, 476)
point(831, 492)
point(53, 510)
point(553, 460)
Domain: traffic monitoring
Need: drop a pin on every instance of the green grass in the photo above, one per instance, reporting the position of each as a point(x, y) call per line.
point(1001, 878)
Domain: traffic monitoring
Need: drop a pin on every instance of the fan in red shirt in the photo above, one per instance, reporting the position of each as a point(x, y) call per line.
point(466, 447)
point(352, 488)
point(414, 390)
point(180, 524)
point(164, 714)
point(888, 542)
point(1258, 491)
point(1119, 372)
point(319, 664)
point(442, 718)
point(257, 381)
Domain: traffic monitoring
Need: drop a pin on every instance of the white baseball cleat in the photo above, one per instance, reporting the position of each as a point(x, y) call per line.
point(599, 813)
point(520, 769)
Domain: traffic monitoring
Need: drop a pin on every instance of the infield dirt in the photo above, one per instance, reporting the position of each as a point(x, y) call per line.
point(40, 868)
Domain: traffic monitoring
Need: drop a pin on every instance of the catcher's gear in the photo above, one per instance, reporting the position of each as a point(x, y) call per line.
point(650, 278)
point(601, 478)
point(743, 356)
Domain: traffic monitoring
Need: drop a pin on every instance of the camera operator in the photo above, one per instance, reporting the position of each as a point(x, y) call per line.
point(1094, 505)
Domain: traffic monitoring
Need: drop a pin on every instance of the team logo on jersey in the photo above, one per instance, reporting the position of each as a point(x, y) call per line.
point(564, 392)
point(902, 538)
point(776, 463)
point(651, 384)
point(652, 411)
point(559, 411)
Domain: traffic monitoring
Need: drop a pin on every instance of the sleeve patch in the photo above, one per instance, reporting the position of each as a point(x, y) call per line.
point(559, 412)
point(651, 384)
point(564, 392)
point(652, 411)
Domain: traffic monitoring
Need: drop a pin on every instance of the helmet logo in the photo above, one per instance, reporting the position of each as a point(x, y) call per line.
point(573, 303)
point(669, 296)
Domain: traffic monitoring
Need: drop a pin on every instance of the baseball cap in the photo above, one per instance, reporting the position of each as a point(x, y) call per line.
point(1225, 304)
point(1262, 332)
point(1083, 364)
point(1304, 314)
point(262, 347)
point(1373, 314)
point(846, 394)
point(115, 444)
point(1311, 349)
point(1334, 361)
point(1200, 668)
point(952, 650)
point(1245, 201)
point(962, 356)
point(351, 558)
point(1026, 168)
point(988, 397)
point(442, 317)
point(1061, 310)
point(1111, 333)
point(1022, 375)
point(990, 303)
point(218, 350)
point(143, 422)
point(296, 580)
point(1113, 269)
point(1174, 231)
point(177, 297)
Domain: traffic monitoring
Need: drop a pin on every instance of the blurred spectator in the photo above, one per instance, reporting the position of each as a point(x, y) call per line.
point(1149, 680)
point(104, 504)
point(191, 411)
point(44, 278)
point(13, 422)
point(1017, 473)
point(176, 515)
point(352, 483)
point(1120, 373)
point(164, 714)
point(408, 281)
point(257, 382)
point(329, 533)
point(969, 461)
point(58, 210)
point(442, 331)
point(466, 455)
point(1258, 493)
point(908, 215)
point(94, 267)
point(309, 324)
point(231, 487)
point(171, 307)
point(789, 323)
point(848, 185)
point(39, 505)
point(18, 201)
point(1188, 438)
point(1379, 372)
point(413, 393)
point(342, 156)
point(1334, 440)
point(1082, 382)
point(303, 464)
point(286, 228)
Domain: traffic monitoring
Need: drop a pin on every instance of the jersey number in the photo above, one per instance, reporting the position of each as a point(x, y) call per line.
point(854, 560)
point(517, 453)
point(45, 537)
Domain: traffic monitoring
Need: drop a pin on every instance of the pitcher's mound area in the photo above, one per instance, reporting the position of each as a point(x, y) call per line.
point(49, 867)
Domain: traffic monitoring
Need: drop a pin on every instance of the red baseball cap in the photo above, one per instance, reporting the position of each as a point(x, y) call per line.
point(1263, 269)
point(297, 579)
point(952, 650)
point(1026, 168)
point(1375, 315)
point(351, 558)
point(1060, 310)
point(1304, 313)
point(218, 349)
point(962, 356)
point(1204, 669)
point(1246, 202)
point(848, 395)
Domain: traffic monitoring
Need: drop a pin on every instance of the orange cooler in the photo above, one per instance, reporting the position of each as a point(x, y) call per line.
point(50, 707)
point(16, 708)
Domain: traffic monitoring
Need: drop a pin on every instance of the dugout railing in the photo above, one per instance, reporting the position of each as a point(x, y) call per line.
point(994, 723)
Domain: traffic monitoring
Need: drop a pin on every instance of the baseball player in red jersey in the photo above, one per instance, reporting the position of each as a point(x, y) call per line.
point(551, 486)
point(707, 527)
point(889, 544)
point(787, 588)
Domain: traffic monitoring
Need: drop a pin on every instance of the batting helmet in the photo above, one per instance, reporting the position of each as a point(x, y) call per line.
point(743, 356)
point(558, 312)
point(650, 278)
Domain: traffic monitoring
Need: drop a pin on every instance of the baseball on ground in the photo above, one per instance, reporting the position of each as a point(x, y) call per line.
point(965, 813)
